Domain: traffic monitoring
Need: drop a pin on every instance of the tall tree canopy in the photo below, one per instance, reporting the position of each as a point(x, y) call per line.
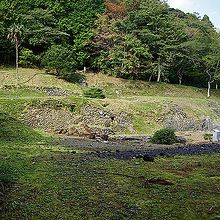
point(137, 39)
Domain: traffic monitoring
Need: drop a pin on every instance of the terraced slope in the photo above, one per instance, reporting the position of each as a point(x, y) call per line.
point(137, 107)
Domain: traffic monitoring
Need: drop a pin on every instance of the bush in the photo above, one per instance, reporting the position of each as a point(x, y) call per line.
point(28, 59)
point(94, 93)
point(164, 136)
point(207, 137)
point(61, 61)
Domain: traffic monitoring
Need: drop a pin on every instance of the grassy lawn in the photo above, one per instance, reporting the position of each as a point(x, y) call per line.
point(48, 182)
point(40, 180)
point(35, 78)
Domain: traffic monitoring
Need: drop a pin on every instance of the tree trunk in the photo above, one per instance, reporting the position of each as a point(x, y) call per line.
point(150, 78)
point(180, 75)
point(216, 86)
point(209, 88)
point(159, 73)
point(17, 78)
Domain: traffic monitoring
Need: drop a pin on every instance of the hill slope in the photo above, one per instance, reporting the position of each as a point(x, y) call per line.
point(131, 107)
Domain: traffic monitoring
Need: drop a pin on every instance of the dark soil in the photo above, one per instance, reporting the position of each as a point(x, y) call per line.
point(163, 152)
point(128, 149)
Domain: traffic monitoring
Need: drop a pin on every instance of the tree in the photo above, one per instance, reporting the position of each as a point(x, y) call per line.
point(15, 33)
point(212, 69)
point(61, 61)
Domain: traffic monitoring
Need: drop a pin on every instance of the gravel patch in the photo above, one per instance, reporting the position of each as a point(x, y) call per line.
point(129, 149)
point(166, 152)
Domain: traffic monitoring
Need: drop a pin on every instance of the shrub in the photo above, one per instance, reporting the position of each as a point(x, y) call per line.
point(164, 136)
point(61, 60)
point(94, 93)
point(27, 58)
point(207, 137)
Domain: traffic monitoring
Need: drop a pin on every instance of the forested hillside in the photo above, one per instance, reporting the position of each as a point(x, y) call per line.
point(133, 39)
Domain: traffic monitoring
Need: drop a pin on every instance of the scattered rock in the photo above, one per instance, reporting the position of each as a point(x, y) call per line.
point(140, 156)
point(148, 158)
point(104, 137)
point(72, 131)
point(175, 118)
point(181, 140)
point(92, 136)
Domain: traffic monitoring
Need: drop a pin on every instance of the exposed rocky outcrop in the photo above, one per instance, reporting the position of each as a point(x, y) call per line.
point(90, 121)
point(178, 120)
point(54, 91)
point(215, 107)
point(50, 91)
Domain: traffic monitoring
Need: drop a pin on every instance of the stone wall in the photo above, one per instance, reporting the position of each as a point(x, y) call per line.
point(60, 117)
point(65, 117)
point(178, 120)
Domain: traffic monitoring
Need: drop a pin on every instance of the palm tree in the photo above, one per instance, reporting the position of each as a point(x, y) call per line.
point(14, 35)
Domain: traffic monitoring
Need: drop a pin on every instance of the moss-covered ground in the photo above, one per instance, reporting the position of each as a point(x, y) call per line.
point(40, 180)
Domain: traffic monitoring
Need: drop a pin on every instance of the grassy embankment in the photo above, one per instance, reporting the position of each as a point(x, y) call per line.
point(144, 101)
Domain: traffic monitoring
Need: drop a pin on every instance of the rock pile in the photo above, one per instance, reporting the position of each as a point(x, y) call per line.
point(215, 107)
point(54, 91)
point(50, 91)
point(178, 120)
point(108, 120)
point(61, 118)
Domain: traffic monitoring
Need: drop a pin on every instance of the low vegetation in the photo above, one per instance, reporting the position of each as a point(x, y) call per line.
point(147, 103)
point(94, 93)
point(100, 68)
point(164, 136)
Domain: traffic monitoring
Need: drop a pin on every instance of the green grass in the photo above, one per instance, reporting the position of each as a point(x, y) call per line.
point(117, 88)
point(38, 79)
point(20, 92)
point(49, 182)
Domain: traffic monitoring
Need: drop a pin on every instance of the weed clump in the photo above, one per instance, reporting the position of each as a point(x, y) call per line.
point(94, 93)
point(164, 136)
point(207, 137)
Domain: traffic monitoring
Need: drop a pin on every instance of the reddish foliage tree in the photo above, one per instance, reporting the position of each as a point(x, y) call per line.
point(114, 9)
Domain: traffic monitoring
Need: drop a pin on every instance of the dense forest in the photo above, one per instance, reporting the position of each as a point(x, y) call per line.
point(132, 39)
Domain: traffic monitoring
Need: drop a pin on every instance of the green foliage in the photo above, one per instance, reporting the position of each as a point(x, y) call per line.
point(94, 93)
point(172, 44)
point(48, 23)
point(126, 58)
point(61, 60)
point(207, 136)
point(164, 136)
point(27, 58)
point(144, 39)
